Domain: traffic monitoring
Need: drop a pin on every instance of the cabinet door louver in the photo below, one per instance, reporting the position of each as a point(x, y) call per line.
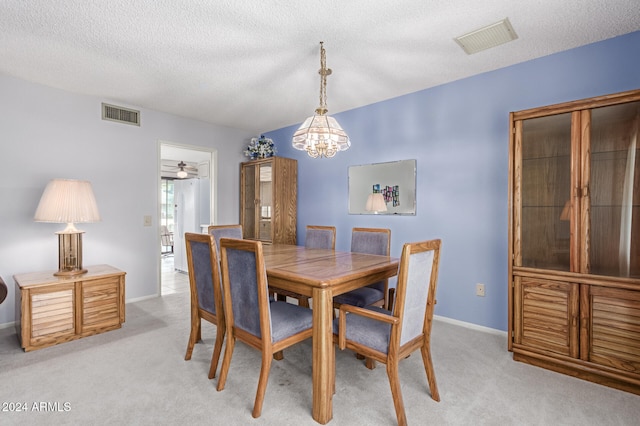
point(549, 315)
point(615, 328)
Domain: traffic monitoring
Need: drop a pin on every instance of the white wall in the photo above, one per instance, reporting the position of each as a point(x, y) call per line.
point(47, 133)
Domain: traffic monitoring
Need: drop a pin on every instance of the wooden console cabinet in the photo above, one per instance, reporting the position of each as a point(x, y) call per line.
point(574, 239)
point(52, 309)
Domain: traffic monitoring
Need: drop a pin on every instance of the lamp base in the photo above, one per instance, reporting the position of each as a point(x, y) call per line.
point(70, 254)
point(72, 273)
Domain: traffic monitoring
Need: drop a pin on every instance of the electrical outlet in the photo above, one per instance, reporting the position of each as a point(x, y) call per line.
point(147, 221)
point(480, 290)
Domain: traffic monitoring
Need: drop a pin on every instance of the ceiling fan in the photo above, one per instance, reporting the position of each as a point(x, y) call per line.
point(182, 169)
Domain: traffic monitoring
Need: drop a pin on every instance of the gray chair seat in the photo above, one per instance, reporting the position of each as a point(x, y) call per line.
point(288, 319)
point(367, 331)
point(364, 296)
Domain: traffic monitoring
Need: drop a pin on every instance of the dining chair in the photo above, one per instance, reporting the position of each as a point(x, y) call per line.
point(266, 326)
point(369, 241)
point(206, 293)
point(389, 337)
point(316, 237)
point(166, 239)
point(225, 231)
point(235, 231)
point(320, 237)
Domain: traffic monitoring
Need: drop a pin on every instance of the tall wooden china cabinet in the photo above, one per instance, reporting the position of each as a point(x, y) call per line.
point(268, 199)
point(574, 239)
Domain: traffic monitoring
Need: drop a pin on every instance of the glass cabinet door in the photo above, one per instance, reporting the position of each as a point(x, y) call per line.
point(613, 233)
point(265, 201)
point(545, 192)
point(249, 223)
point(257, 201)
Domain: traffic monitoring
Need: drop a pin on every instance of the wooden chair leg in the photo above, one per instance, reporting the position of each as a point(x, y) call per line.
point(431, 374)
point(226, 362)
point(391, 299)
point(262, 384)
point(194, 337)
point(217, 349)
point(370, 363)
point(278, 356)
point(396, 393)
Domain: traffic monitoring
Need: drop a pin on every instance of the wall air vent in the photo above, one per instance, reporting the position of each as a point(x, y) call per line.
point(120, 114)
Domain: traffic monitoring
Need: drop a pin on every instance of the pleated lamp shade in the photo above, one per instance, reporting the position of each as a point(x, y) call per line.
point(68, 201)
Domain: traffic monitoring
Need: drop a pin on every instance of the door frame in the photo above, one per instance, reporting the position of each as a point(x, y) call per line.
point(213, 180)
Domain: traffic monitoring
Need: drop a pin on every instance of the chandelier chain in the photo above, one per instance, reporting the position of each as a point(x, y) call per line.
point(324, 72)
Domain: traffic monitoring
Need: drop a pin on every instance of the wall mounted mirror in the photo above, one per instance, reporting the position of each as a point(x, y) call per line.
point(383, 188)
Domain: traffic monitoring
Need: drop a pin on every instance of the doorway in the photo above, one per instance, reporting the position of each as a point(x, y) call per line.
point(186, 189)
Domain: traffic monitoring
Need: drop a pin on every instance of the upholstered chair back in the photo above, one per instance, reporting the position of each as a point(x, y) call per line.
point(201, 267)
point(243, 283)
point(320, 237)
point(419, 279)
point(225, 231)
point(372, 241)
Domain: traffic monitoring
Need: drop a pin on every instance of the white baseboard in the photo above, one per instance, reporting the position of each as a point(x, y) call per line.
point(7, 325)
point(470, 325)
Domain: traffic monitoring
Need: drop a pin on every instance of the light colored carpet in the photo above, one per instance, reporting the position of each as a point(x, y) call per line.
point(137, 375)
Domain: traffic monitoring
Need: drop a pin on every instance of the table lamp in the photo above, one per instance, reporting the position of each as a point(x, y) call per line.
point(376, 203)
point(68, 201)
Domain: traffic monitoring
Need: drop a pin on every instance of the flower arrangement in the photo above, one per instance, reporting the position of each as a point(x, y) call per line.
point(260, 148)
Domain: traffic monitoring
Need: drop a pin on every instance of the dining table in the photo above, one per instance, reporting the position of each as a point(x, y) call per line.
point(322, 274)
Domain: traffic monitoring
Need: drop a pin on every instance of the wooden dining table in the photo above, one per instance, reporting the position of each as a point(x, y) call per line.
point(322, 274)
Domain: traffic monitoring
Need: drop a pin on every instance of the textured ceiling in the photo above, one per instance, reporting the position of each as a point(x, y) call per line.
point(253, 64)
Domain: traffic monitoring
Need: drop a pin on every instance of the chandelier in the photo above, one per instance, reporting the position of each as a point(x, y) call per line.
point(321, 135)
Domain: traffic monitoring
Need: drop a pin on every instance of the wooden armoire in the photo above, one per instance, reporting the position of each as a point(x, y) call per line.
point(269, 199)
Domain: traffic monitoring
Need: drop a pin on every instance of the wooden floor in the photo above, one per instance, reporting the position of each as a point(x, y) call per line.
point(172, 280)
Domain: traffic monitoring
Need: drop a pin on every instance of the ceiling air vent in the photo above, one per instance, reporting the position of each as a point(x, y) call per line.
point(120, 114)
point(490, 36)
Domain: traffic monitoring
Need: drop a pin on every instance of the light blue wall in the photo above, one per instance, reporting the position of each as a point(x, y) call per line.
point(458, 133)
point(47, 133)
